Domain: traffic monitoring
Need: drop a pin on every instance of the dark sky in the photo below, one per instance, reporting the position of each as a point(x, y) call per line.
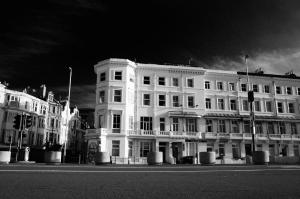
point(39, 40)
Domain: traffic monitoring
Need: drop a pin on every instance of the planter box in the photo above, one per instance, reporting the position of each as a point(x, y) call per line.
point(155, 158)
point(207, 158)
point(102, 158)
point(52, 157)
point(261, 157)
point(5, 157)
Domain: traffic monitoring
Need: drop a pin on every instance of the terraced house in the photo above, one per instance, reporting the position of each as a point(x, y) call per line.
point(182, 110)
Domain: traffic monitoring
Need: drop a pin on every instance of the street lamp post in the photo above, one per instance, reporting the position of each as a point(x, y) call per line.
point(68, 110)
point(251, 116)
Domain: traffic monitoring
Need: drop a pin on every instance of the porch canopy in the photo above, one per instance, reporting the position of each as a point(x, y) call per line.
point(182, 114)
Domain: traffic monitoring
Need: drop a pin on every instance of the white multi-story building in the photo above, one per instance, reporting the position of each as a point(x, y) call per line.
point(15, 102)
point(182, 110)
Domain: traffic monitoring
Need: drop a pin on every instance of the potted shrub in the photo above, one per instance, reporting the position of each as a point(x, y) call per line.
point(52, 153)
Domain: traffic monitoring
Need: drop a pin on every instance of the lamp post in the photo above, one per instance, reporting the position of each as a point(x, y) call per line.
point(251, 116)
point(68, 111)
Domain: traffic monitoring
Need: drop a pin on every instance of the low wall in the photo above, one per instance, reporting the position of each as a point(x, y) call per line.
point(284, 160)
point(226, 160)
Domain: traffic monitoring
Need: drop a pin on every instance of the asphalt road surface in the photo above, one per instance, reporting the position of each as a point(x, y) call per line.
point(69, 181)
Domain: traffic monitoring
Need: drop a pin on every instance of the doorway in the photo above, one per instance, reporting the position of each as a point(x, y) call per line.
point(248, 149)
point(162, 148)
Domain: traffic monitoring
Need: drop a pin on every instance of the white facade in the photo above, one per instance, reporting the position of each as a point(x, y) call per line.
point(182, 110)
point(15, 102)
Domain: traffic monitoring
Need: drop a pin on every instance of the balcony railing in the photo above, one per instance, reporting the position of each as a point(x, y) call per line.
point(163, 133)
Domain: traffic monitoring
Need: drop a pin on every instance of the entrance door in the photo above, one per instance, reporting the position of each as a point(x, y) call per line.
point(162, 148)
point(175, 151)
point(248, 149)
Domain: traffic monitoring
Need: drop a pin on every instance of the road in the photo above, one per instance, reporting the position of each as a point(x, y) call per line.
point(71, 181)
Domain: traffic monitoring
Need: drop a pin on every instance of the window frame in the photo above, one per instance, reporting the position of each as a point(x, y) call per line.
point(116, 97)
point(207, 85)
point(191, 101)
point(148, 100)
point(118, 76)
point(162, 102)
point(146, 81)
point(161, 81)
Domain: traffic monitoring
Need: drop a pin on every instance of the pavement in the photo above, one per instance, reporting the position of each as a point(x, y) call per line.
point(137, 181)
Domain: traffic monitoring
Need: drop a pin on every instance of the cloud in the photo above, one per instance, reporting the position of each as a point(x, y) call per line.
point(82, 96)
point(272, 62)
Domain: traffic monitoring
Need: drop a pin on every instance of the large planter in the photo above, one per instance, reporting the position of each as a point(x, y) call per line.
point(207, 158)
point(52, 157)
point(5, 157)
point(155, 158)
point(102, 158)
point(261, 157)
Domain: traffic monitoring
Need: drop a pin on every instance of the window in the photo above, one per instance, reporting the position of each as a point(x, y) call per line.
point(289, 90)
point(244, 87)
point(146, 80)
point(221, 126)
point(101, 97)
point(258, 127)
point(146, 101)
point(102, 77)
point(131, 123)
point(272, 149)
point(298, 91)
point(175, 82)
point(270, 127)
point(221, 104)
point(245, 105)
point(280, 107)
point(115, 149)
point(118, 75)
point(146, 123)
point(281, 127)
point(145, 148)
point(234, 126)
point(210, 147)
point(207, 85)
point(247, 126)
point(232, 104)
point(175, 124)
point(161, 100)
point(117, 95)
point(191, 102)
point(116, 123)
point(235, 150)
point(278, 90)
point(293, 128)
point(221, 150)
point(231, 86)
point(255, 88)
point(268, 106)
point(191, 125)
point(209, 126)
point(161, 81)
point(130, 146)
point(220, 86)
point(175, 101)
point(267, 89)
point(257, 105)
point(291, 108)
point(162, 124)
point(190, 83)
point(208, 103)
